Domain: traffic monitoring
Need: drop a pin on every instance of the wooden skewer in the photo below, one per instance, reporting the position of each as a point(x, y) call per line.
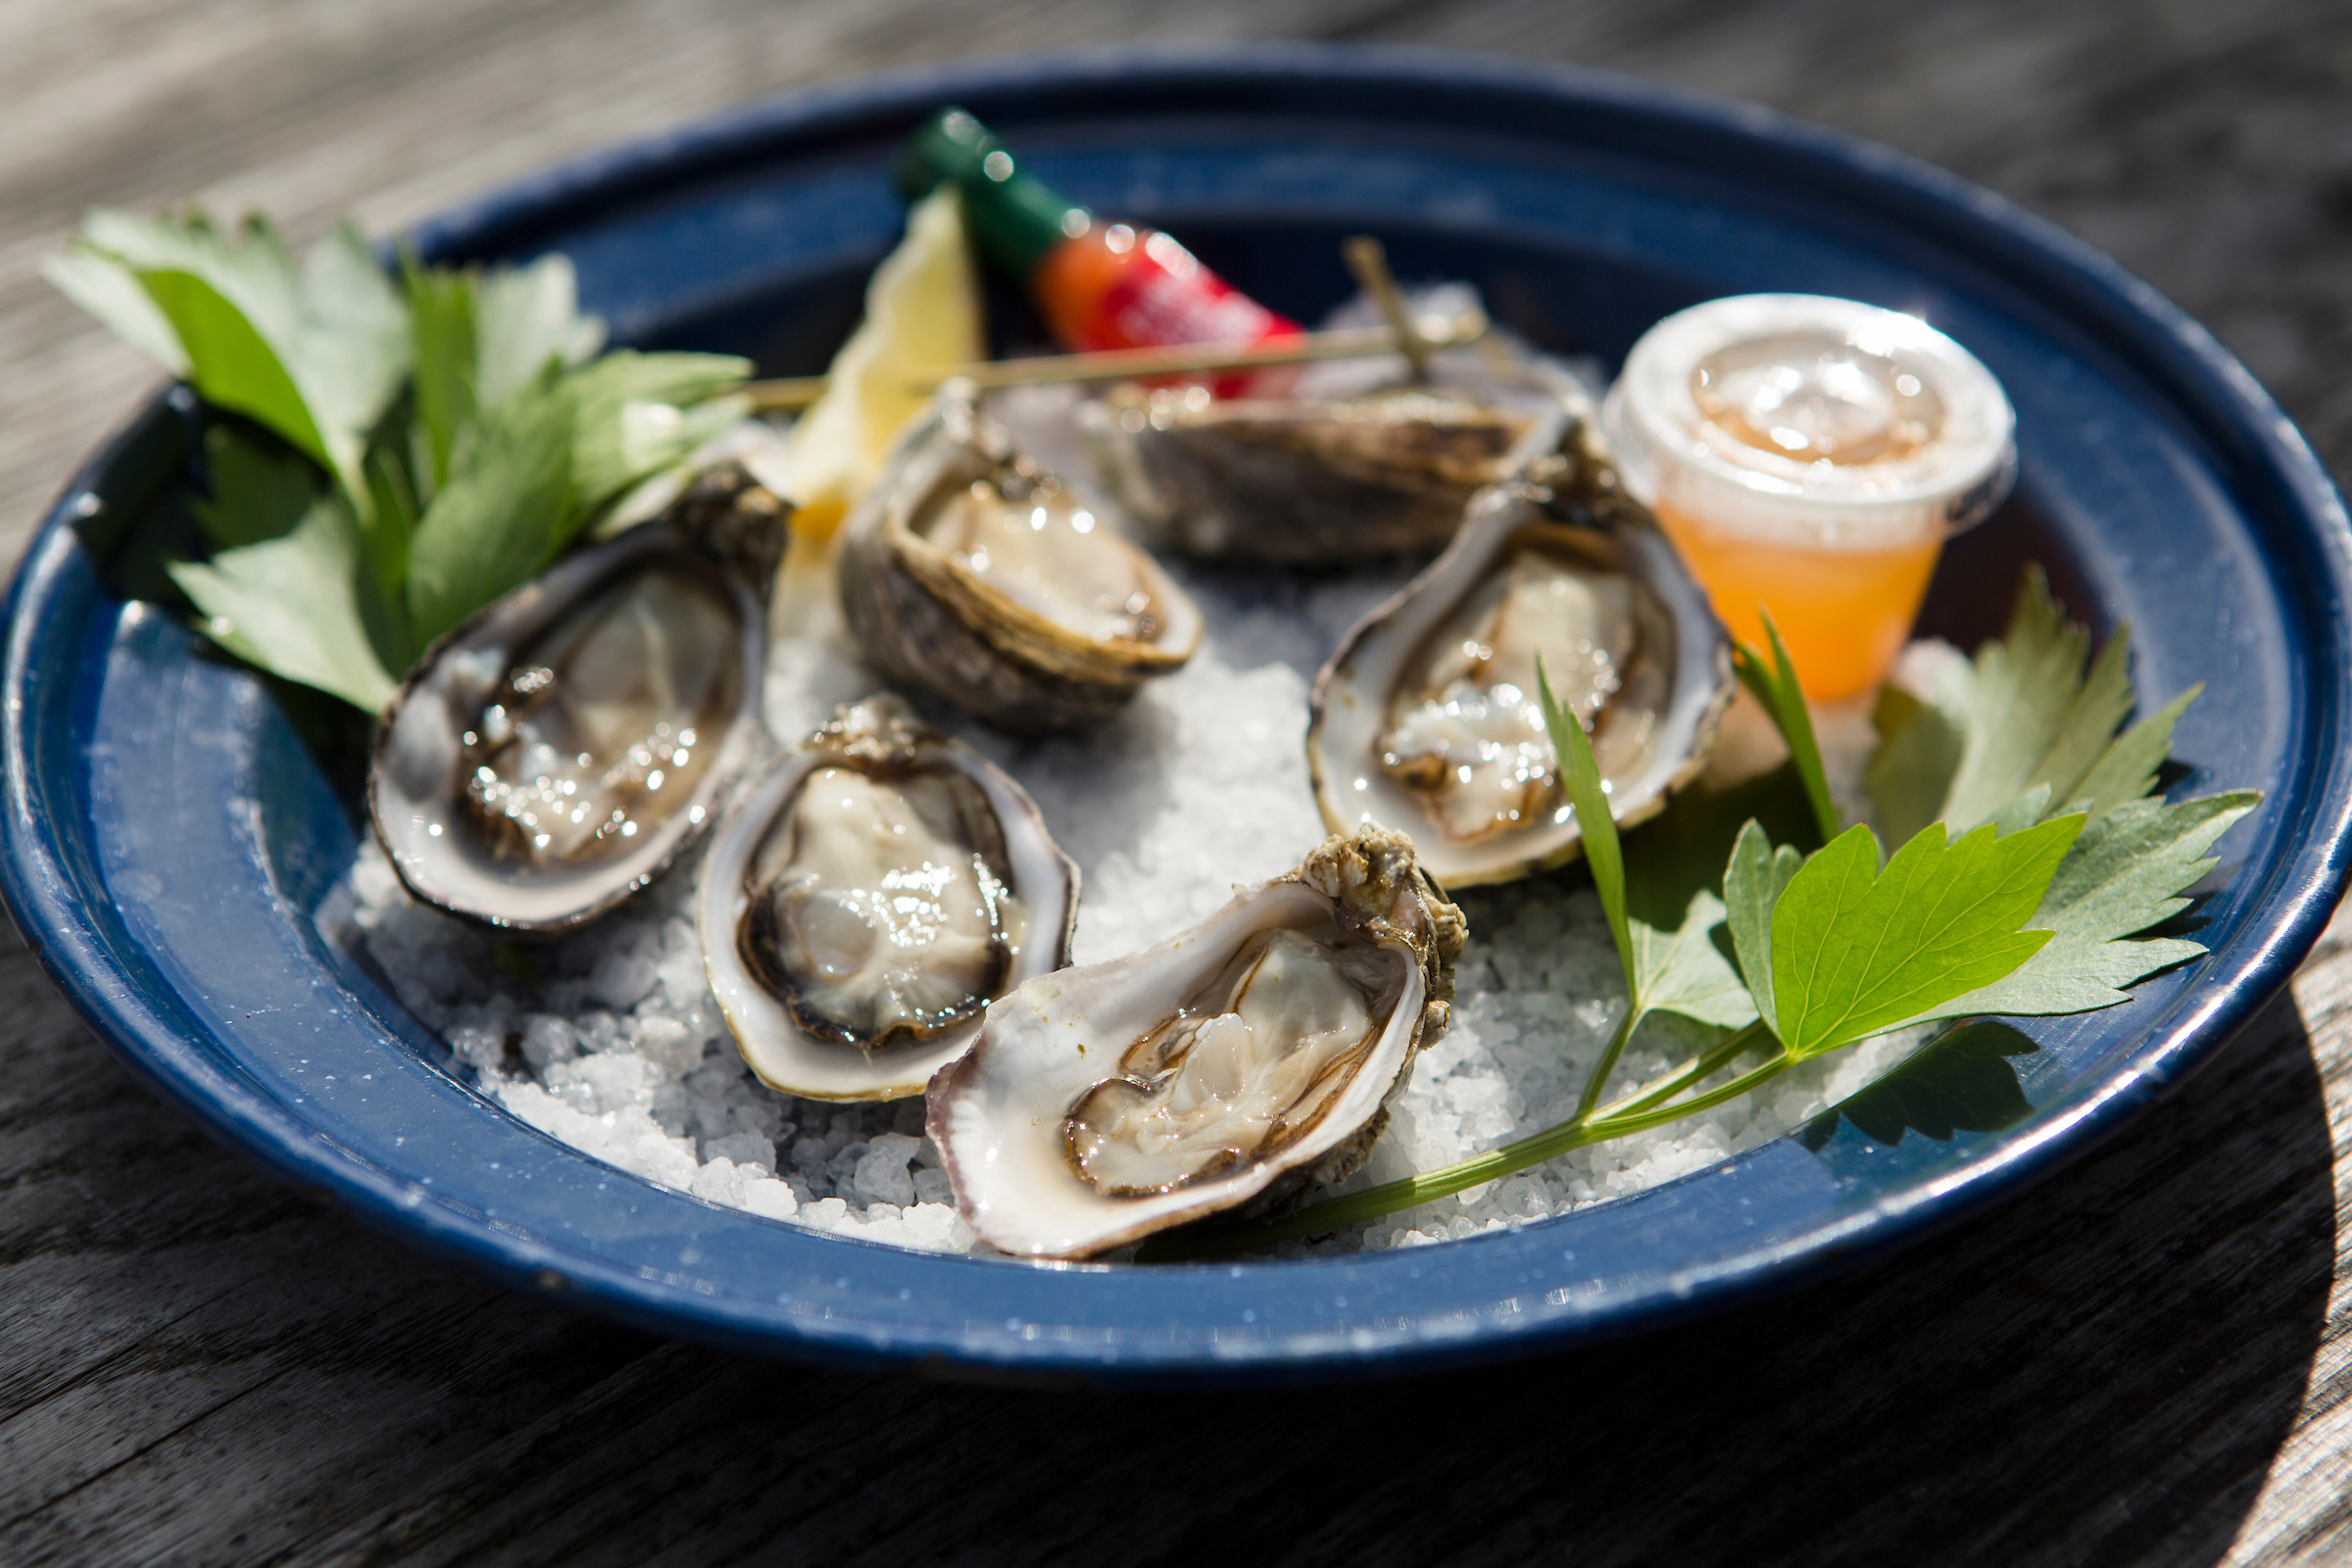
point(1125, 365)
point(1369, 261)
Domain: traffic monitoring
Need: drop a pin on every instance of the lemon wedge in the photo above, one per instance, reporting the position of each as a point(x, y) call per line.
point(922, 312)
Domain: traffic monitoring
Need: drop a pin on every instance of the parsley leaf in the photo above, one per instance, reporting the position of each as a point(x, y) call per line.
point(353, 351)
point(108, 291)
point(2126, 873)
point(258, 491)
point(507, 512)
point(2126, 770)
point(2025, 715)
point(466, 433)
point(526, 318)
point(299, 606)
point(1580, 775)
point(1682, 971)
point(1666, 971)
point(442, 337)
point(1752, 883)
point(1775, 687)
point(1856, 951)
point(313, 353)
point(231, 364)
point(635, 415)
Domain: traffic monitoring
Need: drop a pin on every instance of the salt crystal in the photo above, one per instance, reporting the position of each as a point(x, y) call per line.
point(771, 1198)
point(548, 1040)
point(666, 1042)
point(743, 1149)
point(882, 1168)
point(931, 1187)
point(719, 1181)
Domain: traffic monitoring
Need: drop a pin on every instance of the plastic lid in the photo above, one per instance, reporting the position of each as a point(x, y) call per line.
point(1016, 216)
point(1809, 419)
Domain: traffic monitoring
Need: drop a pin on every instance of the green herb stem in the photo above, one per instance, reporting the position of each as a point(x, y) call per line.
point(1699, 1068)
point(1628, 1121)
point(1637, 1113)
point(1598, 1078)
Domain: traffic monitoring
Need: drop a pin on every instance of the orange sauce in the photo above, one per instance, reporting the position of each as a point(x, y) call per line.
point(1845, 613)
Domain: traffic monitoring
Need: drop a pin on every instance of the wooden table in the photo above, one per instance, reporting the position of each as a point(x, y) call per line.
point(2145, 1361)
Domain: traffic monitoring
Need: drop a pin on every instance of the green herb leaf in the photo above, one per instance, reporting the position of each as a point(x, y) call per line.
point(351, 352)
point(254, 269)
point(1684, 849)
point(2025, 715)
point(1856, 951)
point(526, 319)
point(2126, 873)
point(231, 364)
point(441, 336)
point(502, 519)
point(2126, 770)
point(390, 465)
point(1920, 742)
point(1752, 883)
point(112, 293)
point(315, 353)
point(259, 491)
point(1682, 970)
point(503, 446)
point(2030, 704)
point(1580, 776)
point(299, 606)
point(1775, 687)
point(633, 415)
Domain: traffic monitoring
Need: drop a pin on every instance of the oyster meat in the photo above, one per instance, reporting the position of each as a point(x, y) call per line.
point(1238, 1064)
point(1427, 720)
point(973, 572)
point(580, 735)
point(555, 752)
point(1333, 474)
point(867, 898)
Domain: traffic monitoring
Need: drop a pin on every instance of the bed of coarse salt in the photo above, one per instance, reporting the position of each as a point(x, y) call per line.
point(610, 1041)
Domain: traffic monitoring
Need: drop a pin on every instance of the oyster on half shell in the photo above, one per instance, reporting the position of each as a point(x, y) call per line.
point(558, 751)
point(975, 573)
point(867, 896)
point(1426, 719)
point(1238, 1064)
point(1337, 472)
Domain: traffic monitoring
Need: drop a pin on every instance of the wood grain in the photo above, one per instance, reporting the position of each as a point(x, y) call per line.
point(2146, 1362)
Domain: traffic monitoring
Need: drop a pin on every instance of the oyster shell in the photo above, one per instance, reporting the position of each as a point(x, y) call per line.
point(976, 573)
point(1426, 719)
point(867, 896)
point(1237, 1064)
point(559, 750)
point(1332, 474)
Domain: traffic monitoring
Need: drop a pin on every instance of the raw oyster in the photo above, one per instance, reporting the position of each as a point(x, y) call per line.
point(867, 898)
point(555, 753)
point(1426, 720)
point(1332, 474)
point(976, 573)
point(1238, 1064)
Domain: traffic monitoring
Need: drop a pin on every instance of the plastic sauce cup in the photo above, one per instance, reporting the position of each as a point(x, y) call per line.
point(1809, 456)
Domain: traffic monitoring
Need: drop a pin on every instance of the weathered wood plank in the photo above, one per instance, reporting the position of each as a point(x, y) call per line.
point(2147, 1361)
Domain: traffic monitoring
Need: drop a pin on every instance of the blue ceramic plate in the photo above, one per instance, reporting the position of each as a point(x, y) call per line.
point(170, 830)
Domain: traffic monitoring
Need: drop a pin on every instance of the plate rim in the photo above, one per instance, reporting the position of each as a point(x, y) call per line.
point(38, 887)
